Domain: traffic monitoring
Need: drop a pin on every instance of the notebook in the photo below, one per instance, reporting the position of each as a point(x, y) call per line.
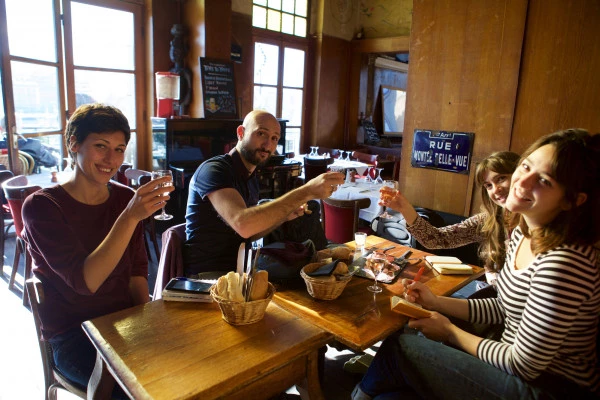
point(413, 310)
point(446, 265)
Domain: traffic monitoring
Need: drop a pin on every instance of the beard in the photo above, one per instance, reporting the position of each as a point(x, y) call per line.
point(252, 156)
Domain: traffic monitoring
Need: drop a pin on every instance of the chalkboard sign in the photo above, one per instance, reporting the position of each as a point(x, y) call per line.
point(218, 88)
point(371, 136)
point(444, 150)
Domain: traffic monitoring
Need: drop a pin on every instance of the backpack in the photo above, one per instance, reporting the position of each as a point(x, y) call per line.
point(301, 229)
point(394, 228)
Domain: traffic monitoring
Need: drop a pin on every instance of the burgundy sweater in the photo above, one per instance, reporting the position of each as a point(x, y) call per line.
point(61, 232)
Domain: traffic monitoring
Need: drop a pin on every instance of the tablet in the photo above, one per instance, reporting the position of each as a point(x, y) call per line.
point(188, 285)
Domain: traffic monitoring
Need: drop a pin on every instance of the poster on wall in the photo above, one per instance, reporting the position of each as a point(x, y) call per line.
point(443, 150)
point(218, 88)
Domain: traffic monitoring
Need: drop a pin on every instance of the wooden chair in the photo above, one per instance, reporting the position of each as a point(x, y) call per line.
point(340, 218)
point(16, 191)
point(6, 219)
point(171, 259)
point(24, 164)
point(314, 167)
point(53, 379)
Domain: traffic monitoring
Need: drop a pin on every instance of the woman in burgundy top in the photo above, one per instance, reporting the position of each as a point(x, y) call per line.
point(86, 239)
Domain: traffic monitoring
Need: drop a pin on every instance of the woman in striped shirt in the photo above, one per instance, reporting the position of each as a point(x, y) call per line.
point(548, 297)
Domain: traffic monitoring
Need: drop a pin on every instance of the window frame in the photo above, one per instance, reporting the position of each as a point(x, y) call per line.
point(66, 73)
point(307, 18)
point(283, 40)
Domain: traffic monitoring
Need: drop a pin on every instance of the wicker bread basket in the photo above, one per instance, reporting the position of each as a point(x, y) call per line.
point(242, 313)
point(324, 289)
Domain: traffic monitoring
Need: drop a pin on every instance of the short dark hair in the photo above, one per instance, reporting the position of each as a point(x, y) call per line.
point(575, 166)
point(95, 118)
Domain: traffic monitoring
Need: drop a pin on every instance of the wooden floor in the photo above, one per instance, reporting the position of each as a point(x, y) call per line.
point(20, 363)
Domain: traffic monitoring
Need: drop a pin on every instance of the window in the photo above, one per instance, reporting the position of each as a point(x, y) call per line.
point(285, 16)
point(280, 62)
point(101, 61)
point(279, 86)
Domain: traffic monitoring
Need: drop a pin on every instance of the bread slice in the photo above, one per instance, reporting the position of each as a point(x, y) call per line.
point(260, 285)
point(409, 309)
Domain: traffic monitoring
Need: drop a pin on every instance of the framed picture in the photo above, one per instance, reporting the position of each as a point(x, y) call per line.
point(218, 88)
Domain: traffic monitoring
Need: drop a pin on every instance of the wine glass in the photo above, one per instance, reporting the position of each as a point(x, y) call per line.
point(163, 216)
point(312, 151)
point(378, 178)
point(386, 196)
point(368, 178)
point(336, 168)
point(376, 264)
point(348, 154)
point(316, 151)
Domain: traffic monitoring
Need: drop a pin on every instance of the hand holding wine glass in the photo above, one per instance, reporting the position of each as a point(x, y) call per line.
point(163, 216)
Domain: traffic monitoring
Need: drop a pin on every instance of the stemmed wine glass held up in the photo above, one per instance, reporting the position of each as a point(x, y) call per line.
point(163, 216)
point(387, 195)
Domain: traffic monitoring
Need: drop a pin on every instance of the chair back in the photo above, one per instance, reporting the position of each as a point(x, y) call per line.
point(4, 176)
point(314, 167)
point(6, 219)
point(16, 191)
point(171, 258)
point(133, 176)
point(120, 175)
point(340, 218)
point(52, 378)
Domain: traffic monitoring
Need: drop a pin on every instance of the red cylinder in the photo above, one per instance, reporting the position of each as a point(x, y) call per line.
point(164, 108)
point(167, 92)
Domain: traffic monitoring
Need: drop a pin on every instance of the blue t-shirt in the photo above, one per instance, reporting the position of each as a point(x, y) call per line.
point(211, 244)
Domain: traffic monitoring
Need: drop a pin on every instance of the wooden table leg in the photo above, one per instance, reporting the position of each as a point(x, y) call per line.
point(101, 382)
point(310, 387)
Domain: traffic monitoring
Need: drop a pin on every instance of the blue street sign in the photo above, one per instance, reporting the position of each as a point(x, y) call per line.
point(443, 150)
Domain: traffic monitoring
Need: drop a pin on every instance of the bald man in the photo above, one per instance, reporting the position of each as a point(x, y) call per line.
point(221, 209)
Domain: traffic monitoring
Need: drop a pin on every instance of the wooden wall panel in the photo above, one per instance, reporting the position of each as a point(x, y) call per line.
point(194, 19)
point(331, 113)
point(560, 81)
point(463, 75)
point(241, 31)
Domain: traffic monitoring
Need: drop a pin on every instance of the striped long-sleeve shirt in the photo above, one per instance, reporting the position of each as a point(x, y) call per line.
point(550, 311)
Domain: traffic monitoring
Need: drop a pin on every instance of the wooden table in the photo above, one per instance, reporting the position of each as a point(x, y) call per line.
point(359, 318)
point(178, 350)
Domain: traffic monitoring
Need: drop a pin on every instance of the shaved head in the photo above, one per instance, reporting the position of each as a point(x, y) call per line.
point(257, 117)
point(258, 137)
